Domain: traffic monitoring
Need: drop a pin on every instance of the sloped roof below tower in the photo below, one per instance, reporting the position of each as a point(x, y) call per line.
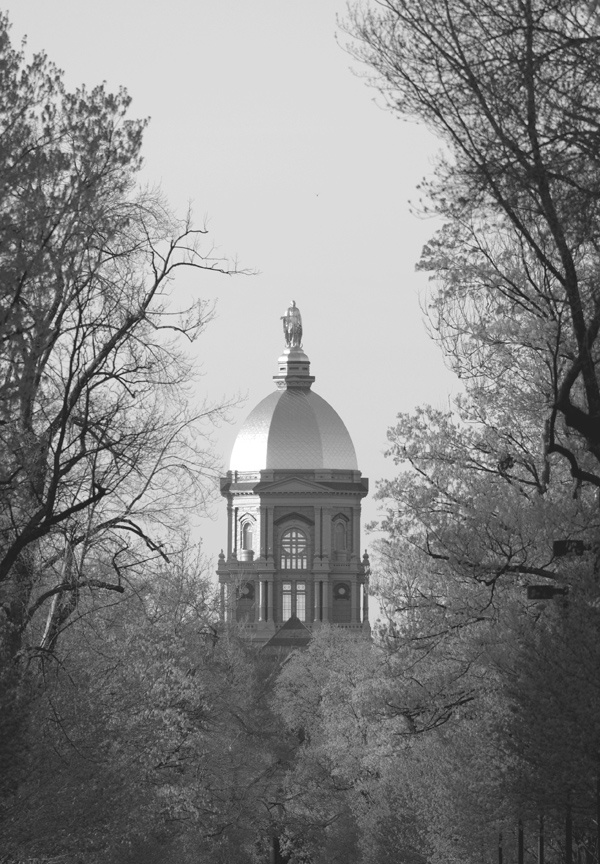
point(292, 636)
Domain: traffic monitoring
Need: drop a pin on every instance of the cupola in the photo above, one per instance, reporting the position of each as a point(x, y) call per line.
point(293, 493)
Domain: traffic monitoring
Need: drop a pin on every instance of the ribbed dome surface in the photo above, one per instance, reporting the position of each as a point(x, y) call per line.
point(293, 429)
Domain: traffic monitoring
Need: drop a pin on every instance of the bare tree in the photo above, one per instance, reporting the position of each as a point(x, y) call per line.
point(512, 89)
point(101, 445)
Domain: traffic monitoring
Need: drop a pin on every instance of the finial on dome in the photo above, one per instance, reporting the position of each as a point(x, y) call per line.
point(292, 326)
point(294, 365)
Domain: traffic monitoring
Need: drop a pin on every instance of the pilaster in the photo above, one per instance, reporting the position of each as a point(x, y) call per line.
point(356, 530)
point(354, 601)
point(270, 606)
point(262, 531)
point(318, 532)
point(326, 532)
point(229, 529)
point(270, 541)
point(327, 598)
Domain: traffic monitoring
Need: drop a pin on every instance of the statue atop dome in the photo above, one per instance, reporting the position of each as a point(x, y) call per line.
point(292, 326)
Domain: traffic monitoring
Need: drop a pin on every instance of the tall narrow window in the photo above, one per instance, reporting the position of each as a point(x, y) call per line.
point(287, 600)
point(339, 536)
point(247, 538)
point(294, 550)
point(301, 600)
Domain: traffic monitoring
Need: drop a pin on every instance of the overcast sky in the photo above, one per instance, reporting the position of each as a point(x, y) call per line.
point(259, 118)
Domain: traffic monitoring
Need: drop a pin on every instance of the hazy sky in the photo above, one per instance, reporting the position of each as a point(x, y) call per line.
point(258, 119)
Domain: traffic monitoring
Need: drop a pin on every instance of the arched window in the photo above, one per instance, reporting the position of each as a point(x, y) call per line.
point(247, 536)
point(339, 536)
point(294, 550)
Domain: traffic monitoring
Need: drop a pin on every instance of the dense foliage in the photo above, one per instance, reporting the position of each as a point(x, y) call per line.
point(148, 735)
point(139, 730)
point(498, 693)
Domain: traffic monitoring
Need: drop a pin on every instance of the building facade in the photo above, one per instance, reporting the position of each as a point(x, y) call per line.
point(294, 496)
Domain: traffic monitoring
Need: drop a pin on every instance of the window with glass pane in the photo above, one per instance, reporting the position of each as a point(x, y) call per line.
point(301, 600)
point(287, 601)
point(247, 536)
point(294, 550)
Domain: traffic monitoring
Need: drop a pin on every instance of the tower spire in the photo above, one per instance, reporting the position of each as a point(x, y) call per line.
point(294, 365)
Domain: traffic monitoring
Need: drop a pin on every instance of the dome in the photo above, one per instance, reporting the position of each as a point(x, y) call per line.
point(293, 429)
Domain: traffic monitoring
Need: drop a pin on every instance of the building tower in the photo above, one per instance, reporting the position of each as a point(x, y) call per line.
point(293, 495)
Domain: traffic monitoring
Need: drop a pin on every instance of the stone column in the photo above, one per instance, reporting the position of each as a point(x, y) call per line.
point(230, 603)
point(261, 601)
point(356, 530)
point(229, 530)
point(269, 588)
point(327, 601)
point(326, 537)
point(318, 542)
point(270, 538)
point(257, 599)
point(262, 529)
point(354, 601)
point(222, 603)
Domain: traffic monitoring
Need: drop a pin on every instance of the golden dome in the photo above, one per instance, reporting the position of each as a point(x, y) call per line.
point(293, 429)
